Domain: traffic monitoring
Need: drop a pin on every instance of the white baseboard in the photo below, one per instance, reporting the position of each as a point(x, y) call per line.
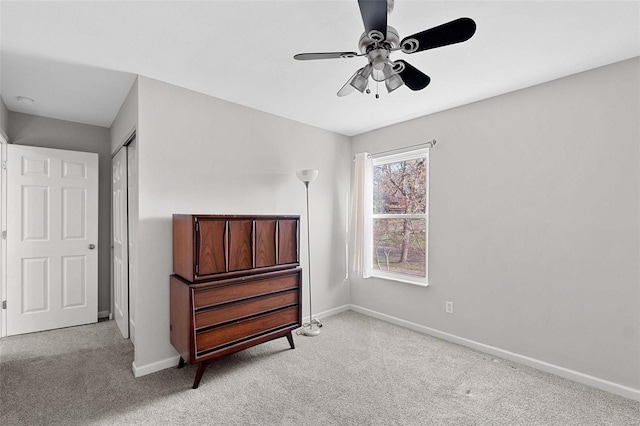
point(566, 373)
point(328, 313)
point(154, 366)
point(104, 314)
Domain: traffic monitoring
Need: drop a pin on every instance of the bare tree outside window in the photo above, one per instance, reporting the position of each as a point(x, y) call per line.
point(399, 216)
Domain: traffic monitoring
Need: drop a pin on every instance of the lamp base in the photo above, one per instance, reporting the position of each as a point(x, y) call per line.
point(310, 332)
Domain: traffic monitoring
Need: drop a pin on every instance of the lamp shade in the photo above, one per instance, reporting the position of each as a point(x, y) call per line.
point(308, 175)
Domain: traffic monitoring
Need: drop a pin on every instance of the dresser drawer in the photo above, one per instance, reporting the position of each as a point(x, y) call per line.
point(244, 329)
point(235, 311)
point(244, 289)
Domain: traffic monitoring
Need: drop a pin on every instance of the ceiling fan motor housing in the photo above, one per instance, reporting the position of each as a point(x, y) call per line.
point(377, 52)
point(392, 41)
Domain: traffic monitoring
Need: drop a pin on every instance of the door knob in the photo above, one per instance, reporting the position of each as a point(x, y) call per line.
point(92, 246)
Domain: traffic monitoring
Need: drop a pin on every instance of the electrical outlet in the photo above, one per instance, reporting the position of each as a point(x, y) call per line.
point(448, 307)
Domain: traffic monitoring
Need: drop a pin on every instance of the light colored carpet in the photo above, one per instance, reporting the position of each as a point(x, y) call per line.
point(360, 371)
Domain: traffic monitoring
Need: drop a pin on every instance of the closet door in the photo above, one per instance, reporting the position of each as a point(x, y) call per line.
point(120, 241)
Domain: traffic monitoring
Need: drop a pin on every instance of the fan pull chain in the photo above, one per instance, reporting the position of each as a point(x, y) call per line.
point(377, 91)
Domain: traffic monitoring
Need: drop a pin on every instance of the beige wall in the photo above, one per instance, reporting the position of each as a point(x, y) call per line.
point(122, 130)
point(25, 129)
point(126, 121)
point(199, 154)
point(534, 230)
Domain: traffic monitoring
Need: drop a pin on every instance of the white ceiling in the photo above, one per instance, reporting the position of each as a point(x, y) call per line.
point(78, 59)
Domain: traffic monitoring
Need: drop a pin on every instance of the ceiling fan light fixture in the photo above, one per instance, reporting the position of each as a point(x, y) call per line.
point(366, 71)
point(393, 82)
point(381, 72)
point(359, 82)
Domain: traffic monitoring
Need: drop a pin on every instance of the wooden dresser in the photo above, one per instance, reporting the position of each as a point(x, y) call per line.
point(236, 283)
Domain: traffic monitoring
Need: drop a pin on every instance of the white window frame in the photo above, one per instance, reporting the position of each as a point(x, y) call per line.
point(369, 216)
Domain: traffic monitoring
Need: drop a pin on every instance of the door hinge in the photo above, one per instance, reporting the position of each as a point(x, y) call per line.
point(4, 304)
point(196, 269)
point(4, 165)
point(197, 226)
point(4, 235)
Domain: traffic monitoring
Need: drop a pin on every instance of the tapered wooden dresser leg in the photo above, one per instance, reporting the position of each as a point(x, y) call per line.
point(181, 363)
point(199, 373)
point(290, 339)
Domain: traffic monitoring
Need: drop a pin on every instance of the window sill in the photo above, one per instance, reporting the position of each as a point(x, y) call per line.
point(420, 282)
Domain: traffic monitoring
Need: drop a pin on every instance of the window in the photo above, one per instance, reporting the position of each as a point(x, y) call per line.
point(396, 217)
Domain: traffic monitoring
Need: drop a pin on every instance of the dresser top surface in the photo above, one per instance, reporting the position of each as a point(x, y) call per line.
point(236, 216)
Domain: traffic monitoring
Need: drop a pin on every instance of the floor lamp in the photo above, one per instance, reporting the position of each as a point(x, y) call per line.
point(308, 176)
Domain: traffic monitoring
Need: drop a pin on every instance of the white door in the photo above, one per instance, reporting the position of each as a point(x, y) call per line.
point(132, 208)
point(119, 231)
point(52, 233)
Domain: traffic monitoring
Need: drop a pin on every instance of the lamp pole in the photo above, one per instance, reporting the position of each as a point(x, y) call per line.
point(307, 176)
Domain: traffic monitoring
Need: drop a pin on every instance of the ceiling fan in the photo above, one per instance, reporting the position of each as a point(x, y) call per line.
point(379, 40)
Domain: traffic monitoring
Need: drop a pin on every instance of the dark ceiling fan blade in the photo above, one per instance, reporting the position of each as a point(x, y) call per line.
point(456, 31)
point(324, 55)
point(413, 78)
point(374, 17)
